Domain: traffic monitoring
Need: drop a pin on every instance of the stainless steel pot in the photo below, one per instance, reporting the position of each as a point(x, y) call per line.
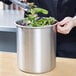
point(36, 48)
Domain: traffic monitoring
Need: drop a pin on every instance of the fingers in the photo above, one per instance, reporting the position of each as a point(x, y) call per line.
point(65, 29)
point(65, 26)
point(55, 28)
point(64, 21)
point(25, 1)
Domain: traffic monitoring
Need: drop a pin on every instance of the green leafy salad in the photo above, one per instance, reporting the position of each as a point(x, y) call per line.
point(32, 18)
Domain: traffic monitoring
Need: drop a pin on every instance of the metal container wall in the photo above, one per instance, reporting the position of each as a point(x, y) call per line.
point(36, 48)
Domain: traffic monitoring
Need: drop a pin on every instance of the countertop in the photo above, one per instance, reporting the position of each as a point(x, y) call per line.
point(8, 66)
point(8, 19)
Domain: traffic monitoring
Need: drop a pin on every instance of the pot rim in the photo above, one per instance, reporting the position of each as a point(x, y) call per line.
point(30, 27)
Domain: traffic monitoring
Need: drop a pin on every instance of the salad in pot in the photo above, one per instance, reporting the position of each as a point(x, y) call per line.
point(33, 20)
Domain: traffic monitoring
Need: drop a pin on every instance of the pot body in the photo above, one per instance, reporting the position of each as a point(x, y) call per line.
point(36, 49)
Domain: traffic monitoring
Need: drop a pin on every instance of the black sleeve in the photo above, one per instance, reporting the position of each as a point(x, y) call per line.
point(6, 2)
point(29, 0)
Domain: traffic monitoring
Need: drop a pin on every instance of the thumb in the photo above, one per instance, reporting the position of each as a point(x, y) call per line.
point(64, 21)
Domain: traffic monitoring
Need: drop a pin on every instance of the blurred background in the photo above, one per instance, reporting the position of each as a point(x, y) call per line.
point(9, 14)
point(9, 7)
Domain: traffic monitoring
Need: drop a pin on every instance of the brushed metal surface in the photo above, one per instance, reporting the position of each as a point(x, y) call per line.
point(36, 49)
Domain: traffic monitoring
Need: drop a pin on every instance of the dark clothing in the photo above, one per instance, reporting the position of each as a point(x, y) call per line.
point(58, 8)
point(66, 44)
point(6, 1)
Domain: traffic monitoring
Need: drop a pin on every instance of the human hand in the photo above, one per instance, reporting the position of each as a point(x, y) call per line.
point(66, 25)
point(25, 1)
